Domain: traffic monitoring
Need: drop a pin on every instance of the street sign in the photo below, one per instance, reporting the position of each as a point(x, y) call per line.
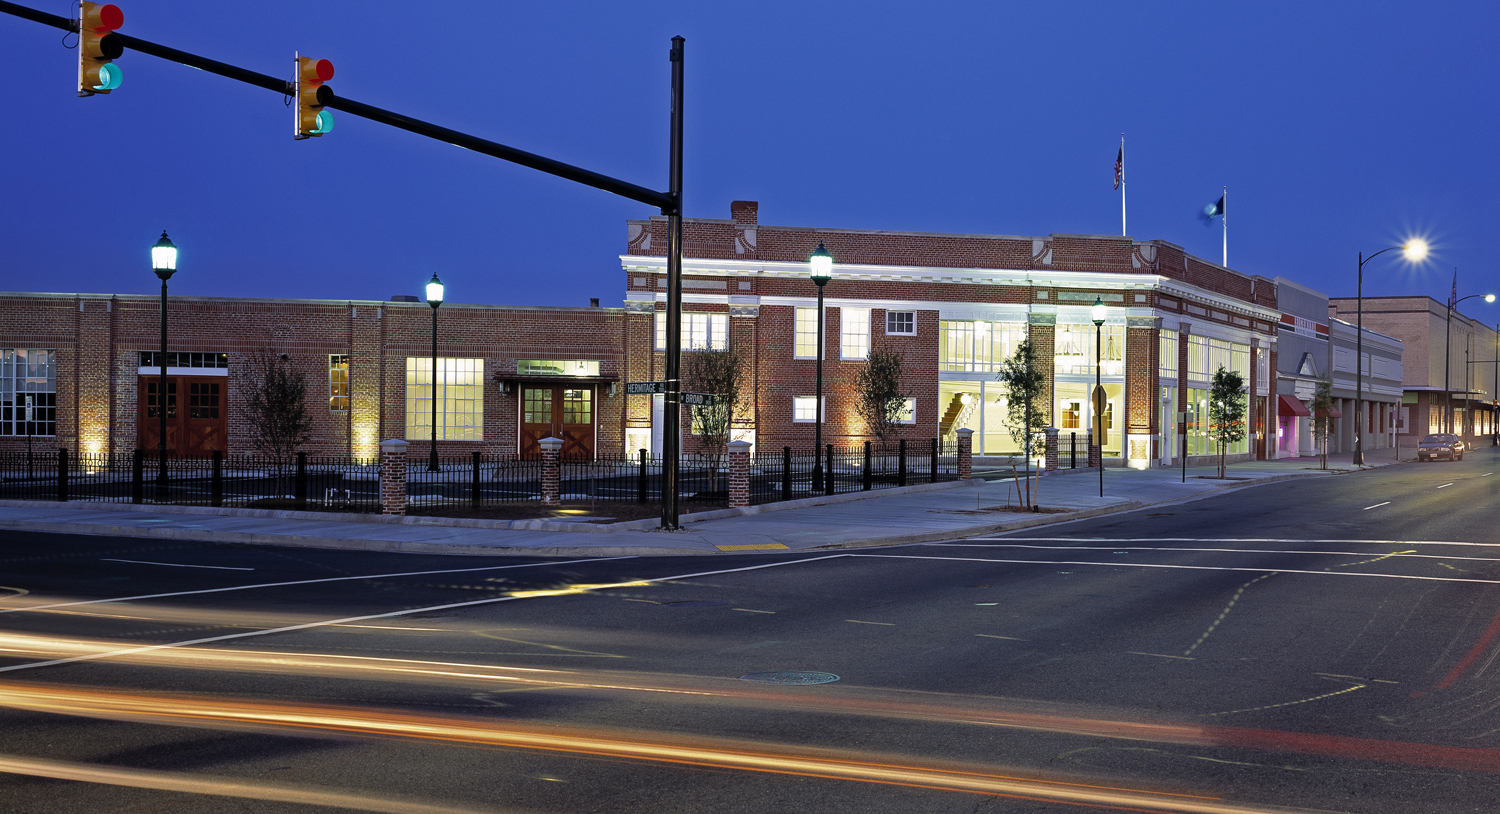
point(644, 388)
point(700, 399)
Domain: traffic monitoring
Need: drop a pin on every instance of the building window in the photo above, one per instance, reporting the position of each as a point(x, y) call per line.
point(460, 395)
point(854, 333)
point(977, 346)
point(28, 391)
point(700, 331)
point(338, 384)
point(806, 334)
point(1198, 369)
point(805, 408)
point(1072, 412)
point(1167, 351)
point(203, 400)
point(908, 412)
point(1076, 346)
point(901, 323)
point(215, 361)
point(578, 406)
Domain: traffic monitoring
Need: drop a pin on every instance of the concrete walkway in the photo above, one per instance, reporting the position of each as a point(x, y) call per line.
point(889, 517)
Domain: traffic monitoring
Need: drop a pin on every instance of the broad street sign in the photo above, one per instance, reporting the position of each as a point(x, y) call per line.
point(699, 399)
point(644, 388)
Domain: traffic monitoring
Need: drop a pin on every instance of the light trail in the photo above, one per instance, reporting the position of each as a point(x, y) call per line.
point(698, 752)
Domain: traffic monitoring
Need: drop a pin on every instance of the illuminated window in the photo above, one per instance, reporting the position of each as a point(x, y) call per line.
point(460, 395)
point(977, 346)
point(1167, 355)
point(28, 392)
point(338, 384)
point(908, 412)
point(805, 408)
point(854, 333)
point(700, 331)
point(1198, 369)
point(806, 334)
point(577, 406)
point(1071, 415)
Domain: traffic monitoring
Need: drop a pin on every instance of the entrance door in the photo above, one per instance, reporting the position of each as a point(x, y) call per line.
point(192, 433)
point(549, 411)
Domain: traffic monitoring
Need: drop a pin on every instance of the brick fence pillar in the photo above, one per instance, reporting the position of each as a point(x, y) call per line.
point(1051, 448)
point(739, 474)
point(393, 476)
point(1096, 455)
point(965, 453)
point(551, 471)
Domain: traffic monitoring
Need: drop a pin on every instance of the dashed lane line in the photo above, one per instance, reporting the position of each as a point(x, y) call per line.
point(177, 564)
point(1376, 506)
point(1127, 549)
point(1446, 485)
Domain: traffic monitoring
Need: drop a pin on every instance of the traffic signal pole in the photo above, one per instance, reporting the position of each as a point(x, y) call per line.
point(669, 202)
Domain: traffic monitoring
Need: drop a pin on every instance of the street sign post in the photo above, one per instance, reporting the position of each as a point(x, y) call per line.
point(644, 388)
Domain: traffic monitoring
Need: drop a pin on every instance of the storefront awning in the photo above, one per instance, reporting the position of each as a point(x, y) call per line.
point(1291, 406)
point(1331, 412)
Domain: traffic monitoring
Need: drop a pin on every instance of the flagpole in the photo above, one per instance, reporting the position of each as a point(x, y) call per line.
point(1225, 218)
point(1123, 231)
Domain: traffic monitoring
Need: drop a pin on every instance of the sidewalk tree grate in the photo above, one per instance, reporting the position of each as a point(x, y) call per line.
point(789, 678)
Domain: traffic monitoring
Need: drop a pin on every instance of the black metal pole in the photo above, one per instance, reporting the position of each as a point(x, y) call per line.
point(671, 415)
point(161, 404)
point(1495, 394)
point(817, 473)
point(1099, 388)
point(1359, 356)
point(432, 459)
point(1447, 364)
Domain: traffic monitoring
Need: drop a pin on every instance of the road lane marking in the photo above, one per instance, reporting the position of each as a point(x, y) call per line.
point(1224, 613)
point(1117, 565)
point(1206, 540)
point(1009, 638)
point(1357, 678)
point(303, 582)
point(758, 547)
point(749, 610)
point(178, 564)
point(389, 615)
point(1290, 703)
point(862, 622)
point(1376, 506)
point(1111, 549)
point(1446, 485)
point(1160, 655)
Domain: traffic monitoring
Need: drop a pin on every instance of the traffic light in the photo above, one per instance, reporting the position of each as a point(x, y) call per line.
point(312, 95)
point(97, 45)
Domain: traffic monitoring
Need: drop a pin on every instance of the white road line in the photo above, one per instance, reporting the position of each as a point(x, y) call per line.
point(178, 565)
point(1184, 568)
point(368, 617)
point(1229, 551)
point(1210, 540)
point(1446, 485)
point(302, 582)
point(1376, 506)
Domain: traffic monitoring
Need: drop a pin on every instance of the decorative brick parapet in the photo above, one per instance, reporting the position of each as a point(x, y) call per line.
point(739, 474)
point(965, 453)
point(1051, 448)
point(551, 471)
point(393, 476)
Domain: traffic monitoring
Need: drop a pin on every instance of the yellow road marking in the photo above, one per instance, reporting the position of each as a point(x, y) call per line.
point(1291, 703)
point(749, 547)
point(1224, 613)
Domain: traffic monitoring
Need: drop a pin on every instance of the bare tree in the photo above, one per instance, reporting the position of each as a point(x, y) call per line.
point(719, 373)
point(879, 398)
point(1322, 406)
point(276, 409)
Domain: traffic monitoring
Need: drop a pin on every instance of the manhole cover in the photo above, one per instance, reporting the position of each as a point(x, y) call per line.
point(789, 677)
point(694, 603)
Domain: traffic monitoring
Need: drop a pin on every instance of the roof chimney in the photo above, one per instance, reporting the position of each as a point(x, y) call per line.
point(744, 213)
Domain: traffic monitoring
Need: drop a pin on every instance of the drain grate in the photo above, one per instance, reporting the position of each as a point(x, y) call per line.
point(695, 603)
point(789, 677)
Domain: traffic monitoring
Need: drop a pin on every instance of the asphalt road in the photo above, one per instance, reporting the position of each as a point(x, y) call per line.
point(1322, 645)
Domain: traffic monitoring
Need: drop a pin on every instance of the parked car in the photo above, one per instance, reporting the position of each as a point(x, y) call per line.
point(1441, 445)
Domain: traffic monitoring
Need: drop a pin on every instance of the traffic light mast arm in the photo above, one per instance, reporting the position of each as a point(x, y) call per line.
point(664, 201)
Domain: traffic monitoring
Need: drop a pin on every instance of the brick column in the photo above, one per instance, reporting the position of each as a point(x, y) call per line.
point(965, 453)
point(393, 476)
point(551, 471)
point(739, 474)
point(1051, 448)
point(1096, 455)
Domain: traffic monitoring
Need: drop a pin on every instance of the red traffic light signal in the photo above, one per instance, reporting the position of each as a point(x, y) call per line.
point(97, 46)
point(312, 96)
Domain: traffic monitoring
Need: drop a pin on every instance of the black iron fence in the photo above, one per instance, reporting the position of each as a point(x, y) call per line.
point(475, 481)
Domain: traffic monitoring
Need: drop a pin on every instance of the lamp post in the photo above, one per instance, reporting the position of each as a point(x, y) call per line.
point(1415, 250)
point(822, 271)
point(1448, 362)
point(1098, 314)
point(434, 299)
point(164, 263)
point(1495, 392)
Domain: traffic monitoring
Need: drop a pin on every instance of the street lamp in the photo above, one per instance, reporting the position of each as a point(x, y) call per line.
point(434, 299)
point(1098, 314)
point(1414, 250)
point(164, 263)
point(1495, 393)
point(822, 271)
point(1447, 362)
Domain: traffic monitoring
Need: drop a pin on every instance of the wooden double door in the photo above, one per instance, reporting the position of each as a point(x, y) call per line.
point(197, 415)
point(558, 411)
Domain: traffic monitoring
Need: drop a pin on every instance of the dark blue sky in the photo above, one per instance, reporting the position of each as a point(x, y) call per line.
point(1339, 127)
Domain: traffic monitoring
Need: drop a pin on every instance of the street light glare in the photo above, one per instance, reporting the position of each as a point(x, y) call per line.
point(1415, 249)
point(1489, 298)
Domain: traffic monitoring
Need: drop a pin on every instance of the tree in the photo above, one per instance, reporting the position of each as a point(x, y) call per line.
point(879, 399)
point(1322, 407)
point(276, 409)
point(719, 372)
point(1022, 385)
point(1226, 410)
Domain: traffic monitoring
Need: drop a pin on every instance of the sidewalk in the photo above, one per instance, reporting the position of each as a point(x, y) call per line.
point(894, 516)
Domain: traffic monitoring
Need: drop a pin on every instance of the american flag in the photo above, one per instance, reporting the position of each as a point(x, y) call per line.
point(1119, 166)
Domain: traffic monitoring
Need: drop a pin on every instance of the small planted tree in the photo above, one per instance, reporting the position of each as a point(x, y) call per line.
point(1322, 407)
point(1226, 411)
point(721, 374)
point(276, 410)
point(879, 399)
point(1022, 385)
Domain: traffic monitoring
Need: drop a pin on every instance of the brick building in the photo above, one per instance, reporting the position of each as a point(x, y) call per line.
point(955, 306)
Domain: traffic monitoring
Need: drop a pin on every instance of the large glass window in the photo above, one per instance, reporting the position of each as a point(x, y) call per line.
point(977, 346)
point(807, 334)
point(1198, 369)
point(700, 331)
point(338, 384)
point(1075, 345)
point(28, 391)
point(1201, 433)
point(460, 399)
point(1167, 353)
point(854, 333)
